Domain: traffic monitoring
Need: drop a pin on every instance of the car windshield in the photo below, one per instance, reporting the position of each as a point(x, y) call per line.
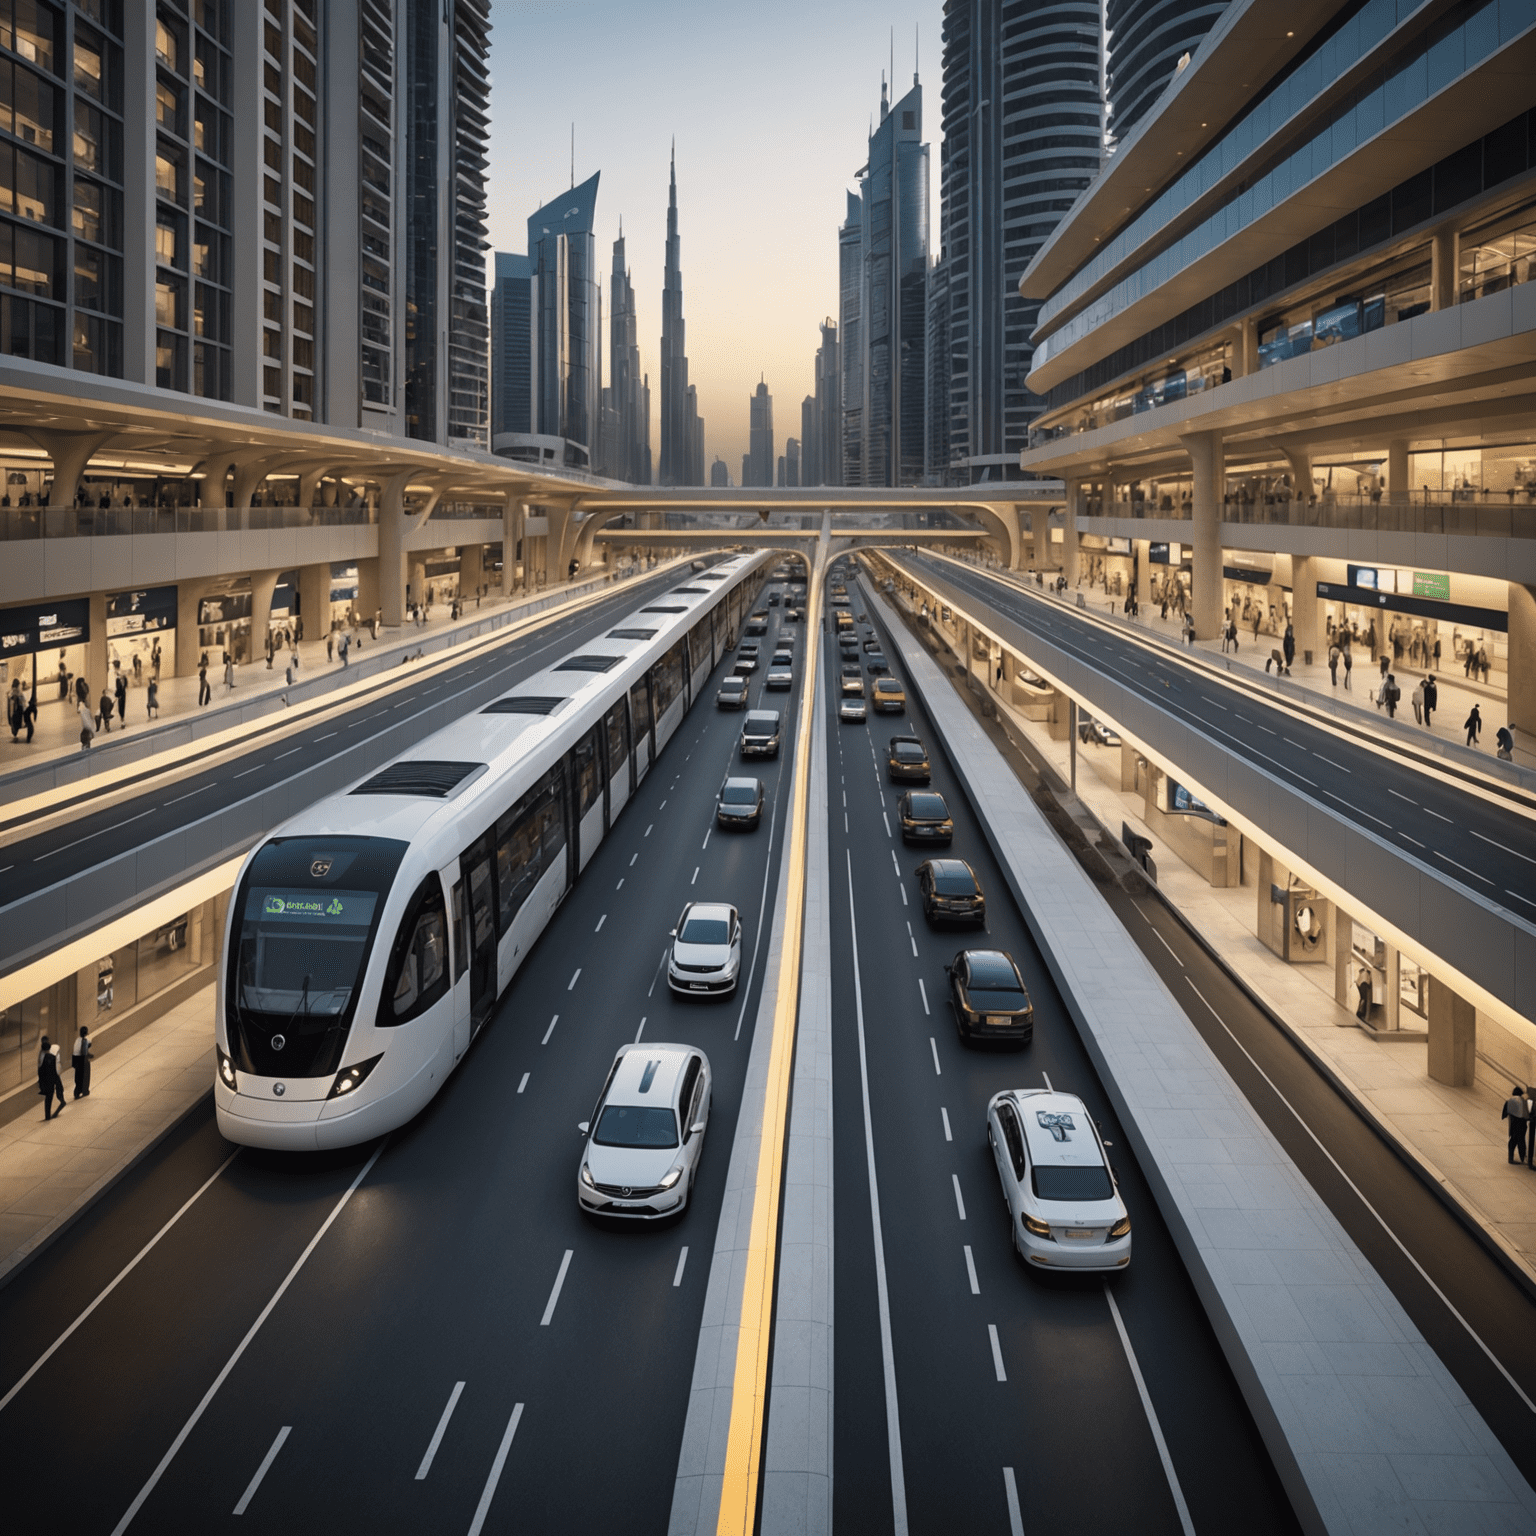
point(740, 794)
point(630, 1125)
point(993, 972)
point(761, 724)
point(704, 930)
point(887, 685)
point(908, 752)
point(927, 807)
point(956, 882)
point(734, 685)
point(1055, 1183)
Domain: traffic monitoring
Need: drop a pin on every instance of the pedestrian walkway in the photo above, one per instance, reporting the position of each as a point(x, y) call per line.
point(52, 1170)
point(1455, 1134)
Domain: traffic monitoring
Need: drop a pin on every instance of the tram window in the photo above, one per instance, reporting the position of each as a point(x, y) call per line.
point(529, 840)
point(588, 772)
point(640, 709)
point(667, 679)
point(460, 934)
point(418, 967)
point(618, 738)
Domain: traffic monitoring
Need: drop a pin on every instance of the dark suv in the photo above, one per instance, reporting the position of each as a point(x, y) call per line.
point(907, 761)
point(989, 997)
point(951, 892)
point(760, 733)
point(924, 817)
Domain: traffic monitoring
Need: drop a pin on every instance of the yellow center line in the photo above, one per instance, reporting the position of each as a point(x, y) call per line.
point(749, 1392)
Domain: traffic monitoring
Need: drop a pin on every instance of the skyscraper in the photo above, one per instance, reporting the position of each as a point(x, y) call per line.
point(627, 450)
point(850, 281)
point(791, 461)
point(719, 474)
point(1147, 38)
point(759, 466)
point(682, 433)
point(829, 408)
point(511, 346)
point(1021, 141)
point(890, 214)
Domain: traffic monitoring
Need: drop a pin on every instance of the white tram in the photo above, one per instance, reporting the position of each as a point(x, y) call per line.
point(370, 936)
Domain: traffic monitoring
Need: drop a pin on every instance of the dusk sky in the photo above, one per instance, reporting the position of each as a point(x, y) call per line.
point(771, 107)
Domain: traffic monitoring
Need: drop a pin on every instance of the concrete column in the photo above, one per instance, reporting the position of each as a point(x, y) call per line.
point(1245, 348)
point(188, 594)
point(314, 600)
point(1452, 1036)
point(1209, 465)
point(96, 664)
point(392, 549)
point(263, 585)
point(1343, 956)
point(367, 589)
point(70, 452)
point(1391, 1001)
point(1069, 566)
point(416, 578)
point(1143, 549)
point(1522, 658)
point(512, 513)
point(1397, 471)
point(1040, 536)
point(470, 571)
point(1444, 259)
point(1306, 612)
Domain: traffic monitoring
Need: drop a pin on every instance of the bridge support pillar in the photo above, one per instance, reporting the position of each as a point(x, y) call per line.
point(1397, 471)
point(1069, 563)
point(392, 549)
point(1209, 465)
point(1522, 658)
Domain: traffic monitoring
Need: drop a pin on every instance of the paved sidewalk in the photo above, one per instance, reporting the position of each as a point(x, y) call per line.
point(1455, 1133)
point(51, 1170)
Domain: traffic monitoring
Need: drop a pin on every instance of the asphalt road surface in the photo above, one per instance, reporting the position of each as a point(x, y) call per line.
point(460, 1258)
point(1068, 1422)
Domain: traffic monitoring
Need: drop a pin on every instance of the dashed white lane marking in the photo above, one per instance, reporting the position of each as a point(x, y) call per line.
point(1169, 947)
point(894, 865)
point(1518, 897)
point(1015, 1515)
point(1414, 803)
point(944, 1114)
point(1340, 766)
point(633, 857)
point(641, 1030)
point(190, 793)
point(1462, 867)
point(885, 817)
point(954, 1179)
point(970, 1272)
point(911, 939)
point(483, 1508)
point(620, 885)
point(903, 890)
point(570, 986)
point(603, 919)
point(705, 843)
point(440, 1431)
point(926, 1009)
point(261, 1471)
point(1479, 836)
point(662, 806)
point(997, 1352)
point(1356, 809)
point(647, 833)
point(1438, 817)
point(327, 736)
point(252, 769)
point(524, 1083)
point(1151, 1412)
point(554, 1295)
point(682, 1259)
point(548, 1032)
point(696, 869)
point(1416, 843)
point(289, 753)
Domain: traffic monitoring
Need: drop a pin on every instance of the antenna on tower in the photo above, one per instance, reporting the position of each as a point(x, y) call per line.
point(893, 57)
point(573, 154)
point(917, 50)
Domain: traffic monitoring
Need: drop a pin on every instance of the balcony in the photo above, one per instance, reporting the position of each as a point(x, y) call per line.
point(1501, 516)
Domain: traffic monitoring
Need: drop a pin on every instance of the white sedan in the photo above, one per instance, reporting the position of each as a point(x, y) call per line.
point(646, 1135)
point(1064, 1205)
point(706, 950)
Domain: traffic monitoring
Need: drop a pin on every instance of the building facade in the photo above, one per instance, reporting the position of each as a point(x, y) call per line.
point(682, 433)
point(627, 408)
point(758, 465)
point(1144, 44)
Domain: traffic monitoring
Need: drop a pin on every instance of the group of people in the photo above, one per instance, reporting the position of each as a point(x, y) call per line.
point(50, 1074)
point(1520, 1113)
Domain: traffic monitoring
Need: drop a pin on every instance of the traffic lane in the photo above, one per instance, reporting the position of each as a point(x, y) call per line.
point(43, 859)
point(1497, 1308)
point(1051, 1329)
point(447, 1267)
point(1487, 846)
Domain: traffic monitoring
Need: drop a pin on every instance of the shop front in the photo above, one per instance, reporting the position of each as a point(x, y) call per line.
point(343, 595)
point(224, 626)
point(442, 577)
point(141, 634)
point(1107, 563)
point(1169, 583)
point(42, 646)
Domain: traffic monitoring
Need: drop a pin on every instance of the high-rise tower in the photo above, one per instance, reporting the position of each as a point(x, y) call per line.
point(1146, 42)
point(629, 455)
point(682, 433)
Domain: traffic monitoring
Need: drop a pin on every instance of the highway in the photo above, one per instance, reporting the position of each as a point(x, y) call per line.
point(33, 859)
point(461, 1256)
point(1068, 1420)
point(1479, 1318)
point(1483, 839)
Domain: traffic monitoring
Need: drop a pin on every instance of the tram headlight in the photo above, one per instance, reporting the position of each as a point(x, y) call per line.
point(349, 1079)
point(227, 1070)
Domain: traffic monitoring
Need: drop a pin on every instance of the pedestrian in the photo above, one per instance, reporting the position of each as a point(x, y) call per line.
point(229, 671)
point(1334, 656)
point(1418, 702)
point(87, 725)
point(1189, 629)
point(288, 675)
point(1474, 725)
point(1517, 1111)
point(1431, 700)
point(271, 648)
point(343, 646)
point(29, 710)
point(378, 615)
point(330, 646)
point(1505, 742)
point(104, 713)
point(1483, 662)
point(49, 1080)
point(13, 714)
point(1363, 990)
point(154, 658)
point(120, 687)
point(1386, 661)
point(82, 1060)
point(152, 699)
point(204, 692)
point(1470, 658)
point(1390, 694)
point(1288, 645)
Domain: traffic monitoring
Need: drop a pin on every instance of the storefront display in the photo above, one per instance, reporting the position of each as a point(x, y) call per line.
point(43, 645)
point(224, 624)
point(141, 633)
point(343, 595)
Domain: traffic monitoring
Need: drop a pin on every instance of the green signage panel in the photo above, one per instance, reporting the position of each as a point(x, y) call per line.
point(1432, 584)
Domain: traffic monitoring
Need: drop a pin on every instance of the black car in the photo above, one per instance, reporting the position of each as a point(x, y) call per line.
point(924, 817)
point(989, 998)
point(951, 892)
point(877, 663)
point(773, 599)
point(760, 733)
point(740, 804)
point(733, 693)
point(907, 760)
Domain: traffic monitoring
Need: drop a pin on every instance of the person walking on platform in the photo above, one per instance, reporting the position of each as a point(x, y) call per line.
point(154, 658)
point(29, 710)
point(120, 688)
point(1363, 990)
point(1390, 694)
point(204, 692)
point(13, 712)
point(1431, 701)
point(82, 1060)
point(49, 1082)
point(1517, 1111)
point(1349, 664)
point(1288, 645)
point(1418, 702)
point(1504, 742)
point(1335, 656)
point(229, 671)
point(330, 646)
point(152, 699)
point(104, 713)
point(87, 725)
point(1474, 725)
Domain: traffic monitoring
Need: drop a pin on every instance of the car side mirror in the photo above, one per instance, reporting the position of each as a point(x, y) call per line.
point(674, 933)
point(696, 1129)
point(583, 1126)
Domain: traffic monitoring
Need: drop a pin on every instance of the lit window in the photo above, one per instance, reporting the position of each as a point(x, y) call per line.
point(166, 177)
point(166, 306)
point(165, 245)
point(165, 45)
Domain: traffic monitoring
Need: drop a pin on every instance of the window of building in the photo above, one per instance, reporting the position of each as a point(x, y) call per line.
point(28, 105)
point(167, 45)
point(168, 106)
point(166, 244)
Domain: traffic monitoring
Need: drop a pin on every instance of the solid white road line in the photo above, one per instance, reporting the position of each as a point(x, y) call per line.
point(1157, 1429)
point(762, 912)
point(570, 986)
point(261, 1471)
point(554, 1295)
point(1015, 1516)
point(970, 1270)
point(938, 1071)
point(524, 1083)
point(482, 1509)
point(948, 1136)
point(882, 1292)
point(244, 1344)
point(440, 1431)
point(121, 1275)
point(548, 1032)
point(682, 1259)
point(603, 919)
point(927, 1010)
point(997, 1352)
point(1360, 1195)
point(954, 1179)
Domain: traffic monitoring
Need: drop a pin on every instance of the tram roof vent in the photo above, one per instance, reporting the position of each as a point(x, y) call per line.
point(525, 704)
point(690, 591)
point(631, 634)
point(431, 778)
point(659, 609)
point(588, 663)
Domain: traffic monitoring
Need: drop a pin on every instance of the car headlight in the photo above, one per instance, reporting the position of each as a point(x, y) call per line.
point(227, 1071)
point(1036, 1228)
point(349, 1079)
point(1121, 1228)
point(586, 1176)
point(672, 1176)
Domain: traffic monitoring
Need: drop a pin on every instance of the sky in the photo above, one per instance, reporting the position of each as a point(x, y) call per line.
point(771, 105)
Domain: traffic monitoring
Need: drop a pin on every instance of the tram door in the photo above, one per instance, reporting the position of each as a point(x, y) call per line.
point(482, 936)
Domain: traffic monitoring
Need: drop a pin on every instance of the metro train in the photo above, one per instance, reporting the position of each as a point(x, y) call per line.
point(369, 937)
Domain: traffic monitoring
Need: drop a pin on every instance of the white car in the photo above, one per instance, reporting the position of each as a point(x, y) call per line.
point(646, 1135)
point(780, 680)
point(706, 950)
point(1064, 1205)
point(851, 709)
